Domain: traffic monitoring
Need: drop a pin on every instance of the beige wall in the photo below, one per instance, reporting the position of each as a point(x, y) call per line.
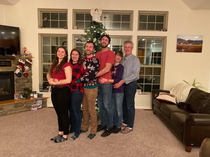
point(182, 21)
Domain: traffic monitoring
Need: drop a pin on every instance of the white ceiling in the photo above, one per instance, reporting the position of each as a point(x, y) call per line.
point(192, 4)
point(198, 4)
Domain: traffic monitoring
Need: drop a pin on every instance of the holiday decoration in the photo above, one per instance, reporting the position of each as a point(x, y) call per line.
point(96, 13)
point(27, 67)
point(19, 68)
point(94, 32)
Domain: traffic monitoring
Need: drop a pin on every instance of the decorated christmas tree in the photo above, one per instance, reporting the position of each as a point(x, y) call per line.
point(94, 32)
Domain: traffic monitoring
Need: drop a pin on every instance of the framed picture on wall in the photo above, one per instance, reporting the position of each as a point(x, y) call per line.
point(189, 43)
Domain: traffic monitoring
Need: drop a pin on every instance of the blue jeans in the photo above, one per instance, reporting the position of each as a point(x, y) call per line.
point(129, 103)
point(75, 111)
point(117, 101)
point(105, 105)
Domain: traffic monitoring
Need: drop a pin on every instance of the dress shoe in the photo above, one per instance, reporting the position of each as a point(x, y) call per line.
point(55, 137)
point(107, 132)
point(91, 136)
point(60, 139)
point(100, 127)
point(116, 130)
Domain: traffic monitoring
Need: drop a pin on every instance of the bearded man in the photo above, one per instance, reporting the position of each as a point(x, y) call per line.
point(106, 58)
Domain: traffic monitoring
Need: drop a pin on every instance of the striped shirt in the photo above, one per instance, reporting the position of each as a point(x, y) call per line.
point(131, 68)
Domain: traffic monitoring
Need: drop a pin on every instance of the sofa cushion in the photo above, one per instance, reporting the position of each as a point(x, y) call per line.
point(205, 108)
point(166, 97)
point(167, 109)
point(196, 99)
point(178, 119)
point(181, 91)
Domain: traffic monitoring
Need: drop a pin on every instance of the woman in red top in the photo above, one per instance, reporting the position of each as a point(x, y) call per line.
point(77, 92)
point(59, 77)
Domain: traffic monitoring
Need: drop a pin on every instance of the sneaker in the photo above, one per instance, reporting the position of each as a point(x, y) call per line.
point(60, 139)
point(107, 132)
point(100, 127)
point(74, 137)
point(116, 130)
point(82, 131)
point(58, 136)
point(91, 136)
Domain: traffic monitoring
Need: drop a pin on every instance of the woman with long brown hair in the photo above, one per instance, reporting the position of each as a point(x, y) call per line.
point(59, 77)
point(77, 92)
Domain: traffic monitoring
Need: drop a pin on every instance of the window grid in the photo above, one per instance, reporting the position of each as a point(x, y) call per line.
point(49, 45)
point(81, 24)
point(155, 21)
point(53, 18)
point(150, 56)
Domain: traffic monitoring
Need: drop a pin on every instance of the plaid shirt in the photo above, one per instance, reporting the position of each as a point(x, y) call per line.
point(77, 72)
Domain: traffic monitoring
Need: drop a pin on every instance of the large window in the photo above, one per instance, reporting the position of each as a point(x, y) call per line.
point(153, 21)
point(49, 45)
point(118, 20)
point(150, 53)
point(53, 18)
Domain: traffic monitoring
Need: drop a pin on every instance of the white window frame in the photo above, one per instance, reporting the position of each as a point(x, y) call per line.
point(41, 10)
point(164, 13)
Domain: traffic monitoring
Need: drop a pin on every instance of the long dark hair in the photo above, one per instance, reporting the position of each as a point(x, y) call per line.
point(80, 60)
point(55, 61)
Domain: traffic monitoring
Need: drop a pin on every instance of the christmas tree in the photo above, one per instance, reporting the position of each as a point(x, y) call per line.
point(94, 32)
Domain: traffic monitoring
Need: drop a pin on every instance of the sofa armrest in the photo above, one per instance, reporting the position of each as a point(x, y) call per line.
point(197, 119)
point(196, 129)
point(156, 92)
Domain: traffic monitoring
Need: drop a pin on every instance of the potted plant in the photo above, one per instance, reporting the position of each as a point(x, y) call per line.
point(27, 92)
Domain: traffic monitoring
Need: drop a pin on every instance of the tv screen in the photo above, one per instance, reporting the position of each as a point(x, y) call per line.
point(9, 40)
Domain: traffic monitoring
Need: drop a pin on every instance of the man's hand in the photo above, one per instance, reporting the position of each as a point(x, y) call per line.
point(117, 85)
point(102, 80)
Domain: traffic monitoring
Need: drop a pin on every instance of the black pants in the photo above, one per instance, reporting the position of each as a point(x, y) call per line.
point(61, 98)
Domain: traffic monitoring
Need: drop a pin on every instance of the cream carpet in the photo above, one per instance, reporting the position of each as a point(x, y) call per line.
point(28, 134)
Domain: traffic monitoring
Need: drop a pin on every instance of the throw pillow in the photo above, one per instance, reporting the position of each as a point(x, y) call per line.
point(181, 91)
point(196, 99)
point(166, 97)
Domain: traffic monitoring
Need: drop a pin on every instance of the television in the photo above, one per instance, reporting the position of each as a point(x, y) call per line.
point(9, 40)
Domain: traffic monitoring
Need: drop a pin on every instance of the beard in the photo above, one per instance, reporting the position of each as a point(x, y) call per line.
point(104, 46)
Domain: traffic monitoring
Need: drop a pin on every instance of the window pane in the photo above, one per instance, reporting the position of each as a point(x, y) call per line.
point(156, 79)
point(46, 68)
point(160, 18)
point(54, 40)
point(141, 79)
point(45, 85)
point(54, 48)
point(125, 17)
point(143, 18)
point(142, 71)
point(63, 16)
point(141, 43)
point(142, 26)
point(147, 88)
point(54, 24)
point(156, 86)
point(159, 26)
point(125, 25)
point(53, 57)
point(54, 16)
point(79, 16)
point(158, 42)
point(46, 40)
point(87, 23)
point(151, 26)
point(116, 17)
point(45, 16)
point(63, 24)
point(116, 25)
point(88, 17)
point(46, 49)
point(150, 42)
point(46, 58)
point(151, 18)
point(46, 24)
point(63, 41)
point(80, 24)
point(148, 71)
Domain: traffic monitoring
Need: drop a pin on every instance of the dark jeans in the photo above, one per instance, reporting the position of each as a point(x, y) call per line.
point(60, 98)
point(105, 104)
point(129, 103)
point(75, 111)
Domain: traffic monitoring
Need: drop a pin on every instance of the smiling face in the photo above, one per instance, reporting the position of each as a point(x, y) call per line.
point(128, 49)
point(75, 56)
point(89, 48)
point(104, 42)
point(61, 53)
point(118, 58)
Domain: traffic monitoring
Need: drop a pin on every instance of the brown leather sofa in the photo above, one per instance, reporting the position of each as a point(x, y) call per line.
point(191, 125)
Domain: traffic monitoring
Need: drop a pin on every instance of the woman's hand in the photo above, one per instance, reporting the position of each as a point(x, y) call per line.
point(102, 80)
